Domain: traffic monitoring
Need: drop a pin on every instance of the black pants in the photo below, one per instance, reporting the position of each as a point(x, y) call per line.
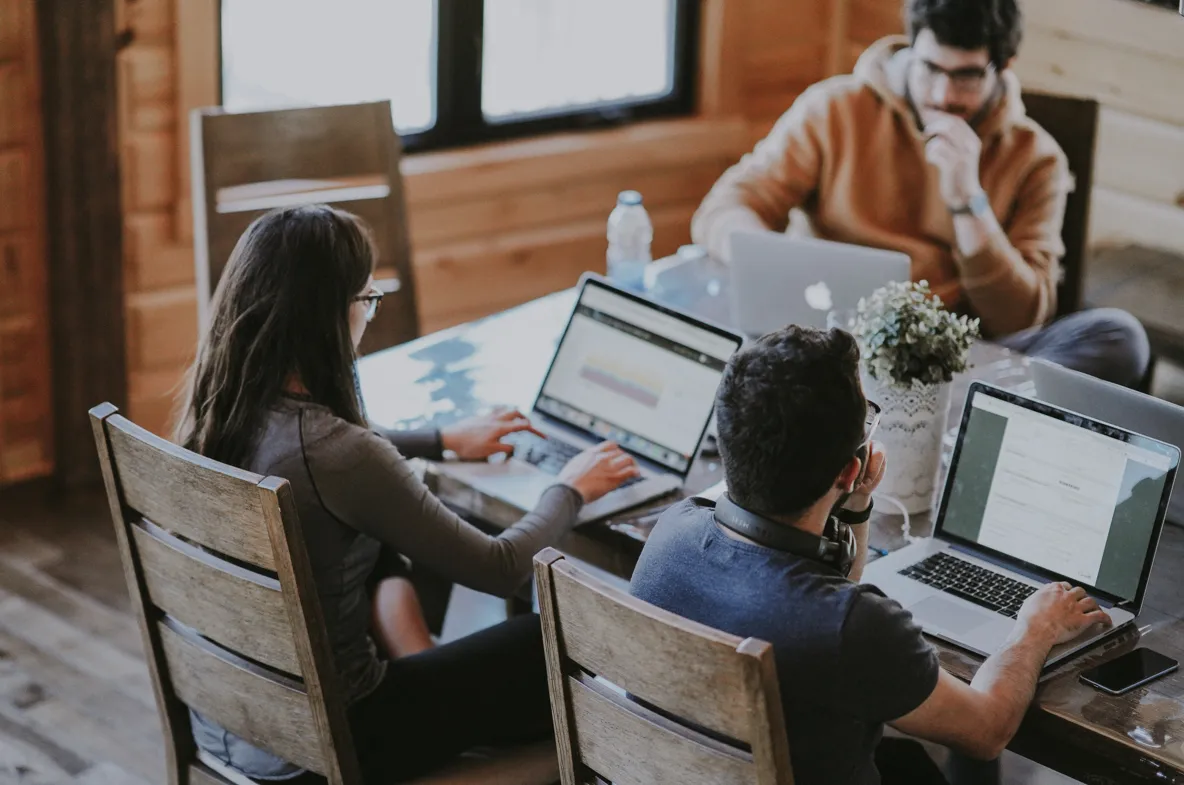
point(486, 689)
point(905, 762)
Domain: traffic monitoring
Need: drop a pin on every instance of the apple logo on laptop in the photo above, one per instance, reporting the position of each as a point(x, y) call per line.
point(818, 296)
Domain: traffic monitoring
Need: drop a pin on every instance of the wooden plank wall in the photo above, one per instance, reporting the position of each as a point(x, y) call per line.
point(1130, 57)
point(26, 433)
point(490, 228)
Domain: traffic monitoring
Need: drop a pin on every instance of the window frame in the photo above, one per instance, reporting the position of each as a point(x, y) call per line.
point(459, 119)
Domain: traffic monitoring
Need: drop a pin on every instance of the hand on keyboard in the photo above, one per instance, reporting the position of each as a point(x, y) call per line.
point(599, 470)
point(1061, 612)
point(477, 438)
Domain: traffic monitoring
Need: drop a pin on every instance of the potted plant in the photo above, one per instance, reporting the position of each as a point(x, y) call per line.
point(910, 348)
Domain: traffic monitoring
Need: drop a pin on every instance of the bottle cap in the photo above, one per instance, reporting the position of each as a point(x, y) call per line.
point(629, 198)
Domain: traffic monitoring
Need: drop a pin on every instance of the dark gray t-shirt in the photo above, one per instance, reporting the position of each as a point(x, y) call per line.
point(848, 659)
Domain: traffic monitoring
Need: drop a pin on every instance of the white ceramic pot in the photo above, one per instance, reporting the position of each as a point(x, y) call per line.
point(911, 429)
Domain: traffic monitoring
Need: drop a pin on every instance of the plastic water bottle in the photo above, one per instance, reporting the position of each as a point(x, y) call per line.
point(629, 236)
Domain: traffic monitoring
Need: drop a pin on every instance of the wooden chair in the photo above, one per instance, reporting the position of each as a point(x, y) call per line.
point(244, 164)
point(639, 695)
point(1073, 123)
point(217, 569)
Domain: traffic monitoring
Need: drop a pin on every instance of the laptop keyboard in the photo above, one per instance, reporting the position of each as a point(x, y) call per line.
point(549, 455)
point(970, 582)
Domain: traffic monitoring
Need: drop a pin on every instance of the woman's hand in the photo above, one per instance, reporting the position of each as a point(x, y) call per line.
point(477, 438)
point(598, 470)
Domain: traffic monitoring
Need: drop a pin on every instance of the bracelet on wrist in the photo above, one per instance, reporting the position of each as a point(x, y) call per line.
point(853, 518)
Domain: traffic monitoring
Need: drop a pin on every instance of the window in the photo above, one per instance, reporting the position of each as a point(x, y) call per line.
point(465, 71)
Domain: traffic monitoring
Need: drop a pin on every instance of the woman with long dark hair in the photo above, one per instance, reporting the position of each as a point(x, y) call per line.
point(274, 391)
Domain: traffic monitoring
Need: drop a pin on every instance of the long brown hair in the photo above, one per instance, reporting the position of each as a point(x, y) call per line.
point(281, 309)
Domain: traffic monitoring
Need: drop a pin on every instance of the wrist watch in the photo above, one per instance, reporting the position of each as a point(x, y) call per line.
point(978, 205)
point(852, 518)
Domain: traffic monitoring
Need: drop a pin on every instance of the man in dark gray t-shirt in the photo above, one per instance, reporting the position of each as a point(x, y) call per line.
point(848, 659)
point(795, 441)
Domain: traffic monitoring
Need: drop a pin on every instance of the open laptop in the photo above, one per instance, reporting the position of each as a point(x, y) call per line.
point(778, 280)
point(1034, 494)
point(626, 369)
point(1113, 403)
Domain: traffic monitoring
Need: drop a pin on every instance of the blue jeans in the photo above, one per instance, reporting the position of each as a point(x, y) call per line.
point(1105, 342)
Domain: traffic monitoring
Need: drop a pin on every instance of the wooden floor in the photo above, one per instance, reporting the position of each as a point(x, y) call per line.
point(76, 703)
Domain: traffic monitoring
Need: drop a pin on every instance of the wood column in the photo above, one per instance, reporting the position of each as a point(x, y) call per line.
point(78, 46)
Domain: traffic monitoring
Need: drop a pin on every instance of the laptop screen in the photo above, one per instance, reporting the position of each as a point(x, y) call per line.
point(1059, 492)
point(637, 374)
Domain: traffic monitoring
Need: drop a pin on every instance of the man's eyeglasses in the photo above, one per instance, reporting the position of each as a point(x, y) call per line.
point(373, 299)
point(870, 424)
point(964, 80)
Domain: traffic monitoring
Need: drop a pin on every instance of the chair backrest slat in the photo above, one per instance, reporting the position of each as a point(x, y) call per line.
point(232, 606)
point(219, 574)
point(211, 504)
point(268, 710)
point(629, 746)
point(350, 139)
point(641, 695)
point(605, 633)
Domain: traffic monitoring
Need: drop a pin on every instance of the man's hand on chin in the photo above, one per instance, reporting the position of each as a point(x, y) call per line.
point(953, 148)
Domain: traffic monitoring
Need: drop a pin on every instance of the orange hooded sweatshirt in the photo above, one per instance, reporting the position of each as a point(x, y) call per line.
point(850, 154)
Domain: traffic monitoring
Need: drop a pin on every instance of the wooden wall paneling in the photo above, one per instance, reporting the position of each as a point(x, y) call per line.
point(1117, 218)
point(199, 75)
point(1140, 156)
point(77, 53)
point(154, 393)
point(494, 170)
point(13, 41)
point(162, 328)
point(517, 267)
point(1143, 81)
point(441, 222)
point(1131, 26)
point(772, 26)
point(871, 20)
point(15, 103)
point(26, 427)
point(16, 178)
point(838, 36)
point(721, 57)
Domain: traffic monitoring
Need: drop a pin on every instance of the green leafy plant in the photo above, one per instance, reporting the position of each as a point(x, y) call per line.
point(907, 337)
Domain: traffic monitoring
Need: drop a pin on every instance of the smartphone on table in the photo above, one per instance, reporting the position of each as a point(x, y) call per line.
point(1133, 669)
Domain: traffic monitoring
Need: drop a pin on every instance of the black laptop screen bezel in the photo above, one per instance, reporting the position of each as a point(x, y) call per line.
point(1081, 421)
point(596, 281)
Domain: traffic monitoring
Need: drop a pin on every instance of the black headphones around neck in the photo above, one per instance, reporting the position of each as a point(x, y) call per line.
point(836, 548)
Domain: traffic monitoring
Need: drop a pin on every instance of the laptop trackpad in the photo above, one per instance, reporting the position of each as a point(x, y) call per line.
point(940, 613)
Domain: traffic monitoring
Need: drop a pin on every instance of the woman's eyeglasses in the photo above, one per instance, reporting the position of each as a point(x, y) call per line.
point(373, 299)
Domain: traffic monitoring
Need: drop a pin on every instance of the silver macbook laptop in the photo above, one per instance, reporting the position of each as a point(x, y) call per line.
point(1113, 403)
point(1034, 494)
point(778, 280)
point(626, 369)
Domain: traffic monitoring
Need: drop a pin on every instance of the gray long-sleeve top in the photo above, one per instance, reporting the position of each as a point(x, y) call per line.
point(355, 492)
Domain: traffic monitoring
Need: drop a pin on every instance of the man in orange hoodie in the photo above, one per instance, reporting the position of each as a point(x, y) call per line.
point(926, 149)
